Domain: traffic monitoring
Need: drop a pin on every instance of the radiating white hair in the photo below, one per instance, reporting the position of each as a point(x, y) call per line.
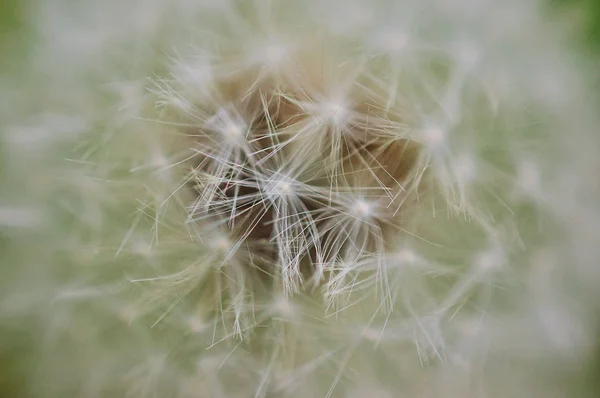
point(339, 198)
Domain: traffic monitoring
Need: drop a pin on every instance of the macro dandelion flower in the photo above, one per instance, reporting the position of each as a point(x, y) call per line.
point(341, 198)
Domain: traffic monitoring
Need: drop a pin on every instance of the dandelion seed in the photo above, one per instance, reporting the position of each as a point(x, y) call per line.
point(393, 42)
point(275, 54)
point(489, 260)
point(223, 244)
point(196, 325)
point(406, 256)
point(362, 210)
point(464, 169)
point(434, 136)
point(229, 127)
point(336, 112)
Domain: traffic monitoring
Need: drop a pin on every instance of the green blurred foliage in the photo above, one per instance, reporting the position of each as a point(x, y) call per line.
point(15, 34)
point(589, 28)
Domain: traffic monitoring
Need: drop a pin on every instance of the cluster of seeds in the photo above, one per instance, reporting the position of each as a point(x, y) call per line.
point(328, 198)
point(305, 177)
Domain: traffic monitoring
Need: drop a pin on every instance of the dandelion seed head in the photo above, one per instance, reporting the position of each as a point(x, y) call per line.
point(317, 192)
point(336, 111)
point(159, 160)
point(275, 54)
point(433, 135)
point(406, 256)
point(362, 209)
point(490, 260)
point(141, 248)
point(194, 75)
point(281, 188)
point(392, 41)
point(464, 169)
point(178, 103)
point(232, 132)
point(283, 307)
point(229, 126)
point(196, 324)
point(371, 334)
point(221, 242)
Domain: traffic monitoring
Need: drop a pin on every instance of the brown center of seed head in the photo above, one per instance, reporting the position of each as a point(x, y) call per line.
point(329, 156)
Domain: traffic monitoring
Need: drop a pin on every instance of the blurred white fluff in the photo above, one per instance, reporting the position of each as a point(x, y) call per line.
point(341, 198)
